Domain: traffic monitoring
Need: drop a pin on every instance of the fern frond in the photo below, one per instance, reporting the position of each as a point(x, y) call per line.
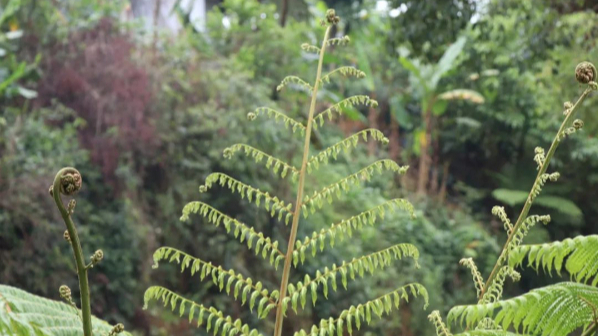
point(518, 236)
point(294, 80)
point(345, 71)
point(271, 204)
point(214, 319)
point(272, 163)
point(356, 315)
point(581, 253)
point(539, 184)
point(552, 310)
point(221, 277)
point(494, 291)
point(365, 174)
point(278, 117)
point(478, 281)
point(345, 145)
point(346, 226)
point(241, 231)
point(338, 41)
point(347, 270)
point(441, 328)
point(338, 108)
point(25, 314)
point(310, 48)
point(499, 212)
point(489, 332)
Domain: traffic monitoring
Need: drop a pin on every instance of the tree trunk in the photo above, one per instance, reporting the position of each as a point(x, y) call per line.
point(445, 172)
point(284, 12)
point(373, 122)
point(424, 158)
point(435, 165)
point(394, 146)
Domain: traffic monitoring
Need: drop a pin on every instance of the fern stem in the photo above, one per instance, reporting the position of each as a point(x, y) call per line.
point(591, 330)
point(528, 203)
point(295, 225)
point(77, 251)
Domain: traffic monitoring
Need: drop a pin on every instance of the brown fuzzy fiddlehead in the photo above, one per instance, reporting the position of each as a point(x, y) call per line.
point(585, 72)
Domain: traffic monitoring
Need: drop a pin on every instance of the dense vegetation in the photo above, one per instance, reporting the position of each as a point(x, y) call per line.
point(466, 93)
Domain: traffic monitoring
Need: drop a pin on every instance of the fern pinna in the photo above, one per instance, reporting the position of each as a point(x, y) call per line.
point(294, 295)
point(558, 309)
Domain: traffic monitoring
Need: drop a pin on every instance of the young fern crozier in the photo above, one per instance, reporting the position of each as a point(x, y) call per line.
point(68, 182)
point(558, 309)
point(266, 300)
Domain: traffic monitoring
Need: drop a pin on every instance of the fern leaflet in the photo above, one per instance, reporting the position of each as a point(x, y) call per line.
point(338, 107)
point(278, 117)
point(272, 163)
point(345, 71)
point(213, 318)
point(294, 80)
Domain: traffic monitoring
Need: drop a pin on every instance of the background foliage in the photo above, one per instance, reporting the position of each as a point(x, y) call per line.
point(145, 118)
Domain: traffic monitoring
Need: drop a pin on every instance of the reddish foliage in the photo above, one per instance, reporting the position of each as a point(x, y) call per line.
point(94, 74)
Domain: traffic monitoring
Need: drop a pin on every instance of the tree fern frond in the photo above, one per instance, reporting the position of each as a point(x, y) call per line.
point(224, 279)
point(345, 145)
point(347, 270)
point(214, 319)
point(356, 315)
point(278, 117)
point(276, 165)
point(554, 310)
point(25, 314)
point(338, 41)
point(345, 71)
point(240, 230)
point(539, 184)
point(441, 328)
point(478, 281)
point(581, 253)
point(351, 101)
point(365, 174)
point(310, 48)
point(272, 204)
point(494, 291)
point(294, 80)
point(346, 226)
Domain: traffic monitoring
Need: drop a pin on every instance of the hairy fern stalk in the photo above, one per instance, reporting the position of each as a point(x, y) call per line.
point(555, 310)
point(294, 295)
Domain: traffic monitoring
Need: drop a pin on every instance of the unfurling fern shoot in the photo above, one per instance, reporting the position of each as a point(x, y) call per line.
point(295, 295)
point(555, 310)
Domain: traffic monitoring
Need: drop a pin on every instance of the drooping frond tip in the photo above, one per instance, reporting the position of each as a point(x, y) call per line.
point(224, 279)
point(271, 203)
point(213, 318)
point(338, 107)
point(297, 81)
point(499, 212)
point(240, 230)
point(272, 163)
point(278, 117)
point(356, 315)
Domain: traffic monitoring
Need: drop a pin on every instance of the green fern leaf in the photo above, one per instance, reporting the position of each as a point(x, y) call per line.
point(295, 80)
point(317, 241)
point(581, 253)
point(272, 204)
point(241, 231)
point(276, 165)
point(358, 266)
point(278, 117)
point(365, 174)
point(554, 310)
point(356, 315)
point(210, 316)
point(345, 145)
point(338, 41)
point(338, 108)
point(345, 71)
point(25, 314)
point(218, 275)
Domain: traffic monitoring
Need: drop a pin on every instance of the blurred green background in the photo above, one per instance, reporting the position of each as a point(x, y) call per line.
point(143, 96)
